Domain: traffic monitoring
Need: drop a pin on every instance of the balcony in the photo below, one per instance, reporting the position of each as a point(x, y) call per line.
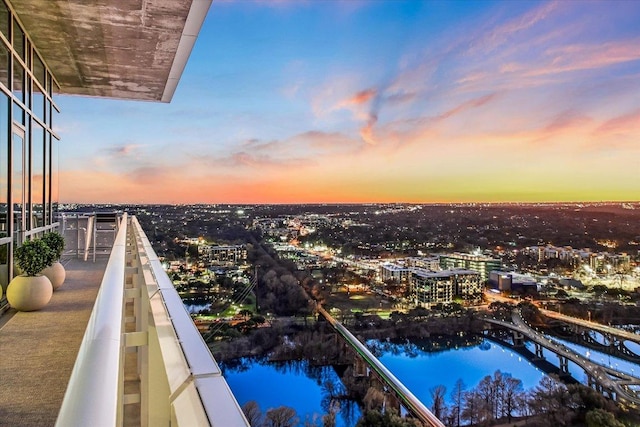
point(114, 347)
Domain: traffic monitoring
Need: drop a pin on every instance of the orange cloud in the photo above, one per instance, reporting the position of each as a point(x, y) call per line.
point(366, 132)
point(361, 97)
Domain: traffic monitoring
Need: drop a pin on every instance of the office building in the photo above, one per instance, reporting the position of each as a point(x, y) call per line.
point(441, 287)
point(480, 263)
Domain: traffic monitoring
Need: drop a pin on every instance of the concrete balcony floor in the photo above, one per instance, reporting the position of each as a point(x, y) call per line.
point(38, 349)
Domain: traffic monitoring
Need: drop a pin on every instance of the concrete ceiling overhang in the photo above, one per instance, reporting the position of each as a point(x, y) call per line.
point(125, 49)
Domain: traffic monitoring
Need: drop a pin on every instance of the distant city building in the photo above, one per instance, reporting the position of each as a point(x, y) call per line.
point(480, 263)
point(395, 272)
point(428, 263)
point(568, 282)
point(511, 281)
point(223, 254)
point(441, 287)
point(600, 262)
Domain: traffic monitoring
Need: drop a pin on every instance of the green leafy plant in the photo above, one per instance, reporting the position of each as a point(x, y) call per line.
point(55, 241)
point(33, 256)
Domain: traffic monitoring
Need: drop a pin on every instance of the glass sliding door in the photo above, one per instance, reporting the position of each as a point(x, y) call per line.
point(18, 187)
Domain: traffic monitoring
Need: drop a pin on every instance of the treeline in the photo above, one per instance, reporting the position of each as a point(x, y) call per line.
point(282, 289)
point(501, 397)
point(315, 341)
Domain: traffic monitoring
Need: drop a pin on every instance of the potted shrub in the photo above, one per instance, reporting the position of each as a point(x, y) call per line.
point(55, 272)
point(31, 290)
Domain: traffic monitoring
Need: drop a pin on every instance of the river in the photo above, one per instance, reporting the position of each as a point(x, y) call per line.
point(297, 385)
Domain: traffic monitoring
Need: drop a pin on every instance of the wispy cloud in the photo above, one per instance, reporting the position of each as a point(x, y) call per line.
point(123, 150)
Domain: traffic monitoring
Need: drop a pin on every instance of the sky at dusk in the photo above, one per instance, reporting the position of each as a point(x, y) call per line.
point(378, 101)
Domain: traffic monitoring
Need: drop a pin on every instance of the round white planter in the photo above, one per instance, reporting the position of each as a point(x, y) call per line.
point(56, 274)
point(29, 293)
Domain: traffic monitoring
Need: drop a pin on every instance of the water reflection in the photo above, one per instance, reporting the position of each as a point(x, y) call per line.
point(420, 365)
point(313, 391)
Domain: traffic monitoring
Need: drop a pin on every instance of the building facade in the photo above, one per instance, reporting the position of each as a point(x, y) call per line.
point(394, 272)
point(28, 144)
point(482, 264)
point(441, 287)
point(77, 48)
point(223, 255)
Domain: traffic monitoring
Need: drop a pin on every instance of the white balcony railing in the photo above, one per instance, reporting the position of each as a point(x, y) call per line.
point(142, 361)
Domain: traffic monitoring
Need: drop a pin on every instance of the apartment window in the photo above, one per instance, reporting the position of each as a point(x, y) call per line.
point(4, 66)
point(4, 164)
point(18, 184)
point(38, 102)
point(54, 173)
point(18, 81)
point(18, 114)
point(37, 175)
point(5, 19)
point(18, 40)
point(39, 71)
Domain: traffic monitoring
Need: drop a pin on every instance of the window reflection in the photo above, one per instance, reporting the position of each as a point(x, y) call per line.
point(37, 176)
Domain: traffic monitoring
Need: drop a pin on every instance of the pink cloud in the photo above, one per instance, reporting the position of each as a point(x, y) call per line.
point(586, 57)
point(625, 124)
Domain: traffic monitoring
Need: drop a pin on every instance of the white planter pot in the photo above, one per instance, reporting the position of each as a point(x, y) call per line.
point(56, 274)
point(29, 293)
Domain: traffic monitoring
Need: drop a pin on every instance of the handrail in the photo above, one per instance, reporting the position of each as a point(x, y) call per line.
point(138, 312)
point(94, 390)
point(198, 393)
point(416, 407)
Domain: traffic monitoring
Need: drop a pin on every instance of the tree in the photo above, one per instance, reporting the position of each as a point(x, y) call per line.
point(282, 416)
point(457, 400)
point(438, 407)
point(511, 396)
point(473, 404)
point(486, 391)
point(601, 418)
point(552, 400)
point(253, 413)
point(388, 419)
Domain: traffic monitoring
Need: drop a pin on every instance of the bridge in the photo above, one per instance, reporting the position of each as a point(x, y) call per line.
point(617, 385)
point(614, 339)
point(603, 329)
point(411, 403)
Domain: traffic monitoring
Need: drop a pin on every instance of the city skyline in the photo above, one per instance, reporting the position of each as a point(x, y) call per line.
point(302, 102)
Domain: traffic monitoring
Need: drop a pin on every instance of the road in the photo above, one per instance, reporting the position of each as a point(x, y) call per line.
point(602, 374)
point(624, 335)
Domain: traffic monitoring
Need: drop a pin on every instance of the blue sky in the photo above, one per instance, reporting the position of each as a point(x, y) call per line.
point(380, 101)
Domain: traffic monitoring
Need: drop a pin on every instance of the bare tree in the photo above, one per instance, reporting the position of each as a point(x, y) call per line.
point(486, 391)
point(473, 407)
point(282, 416)
point(439, 406)
point(457, 400)
point(253, 413)
point(511, 396)
point(551, 399)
